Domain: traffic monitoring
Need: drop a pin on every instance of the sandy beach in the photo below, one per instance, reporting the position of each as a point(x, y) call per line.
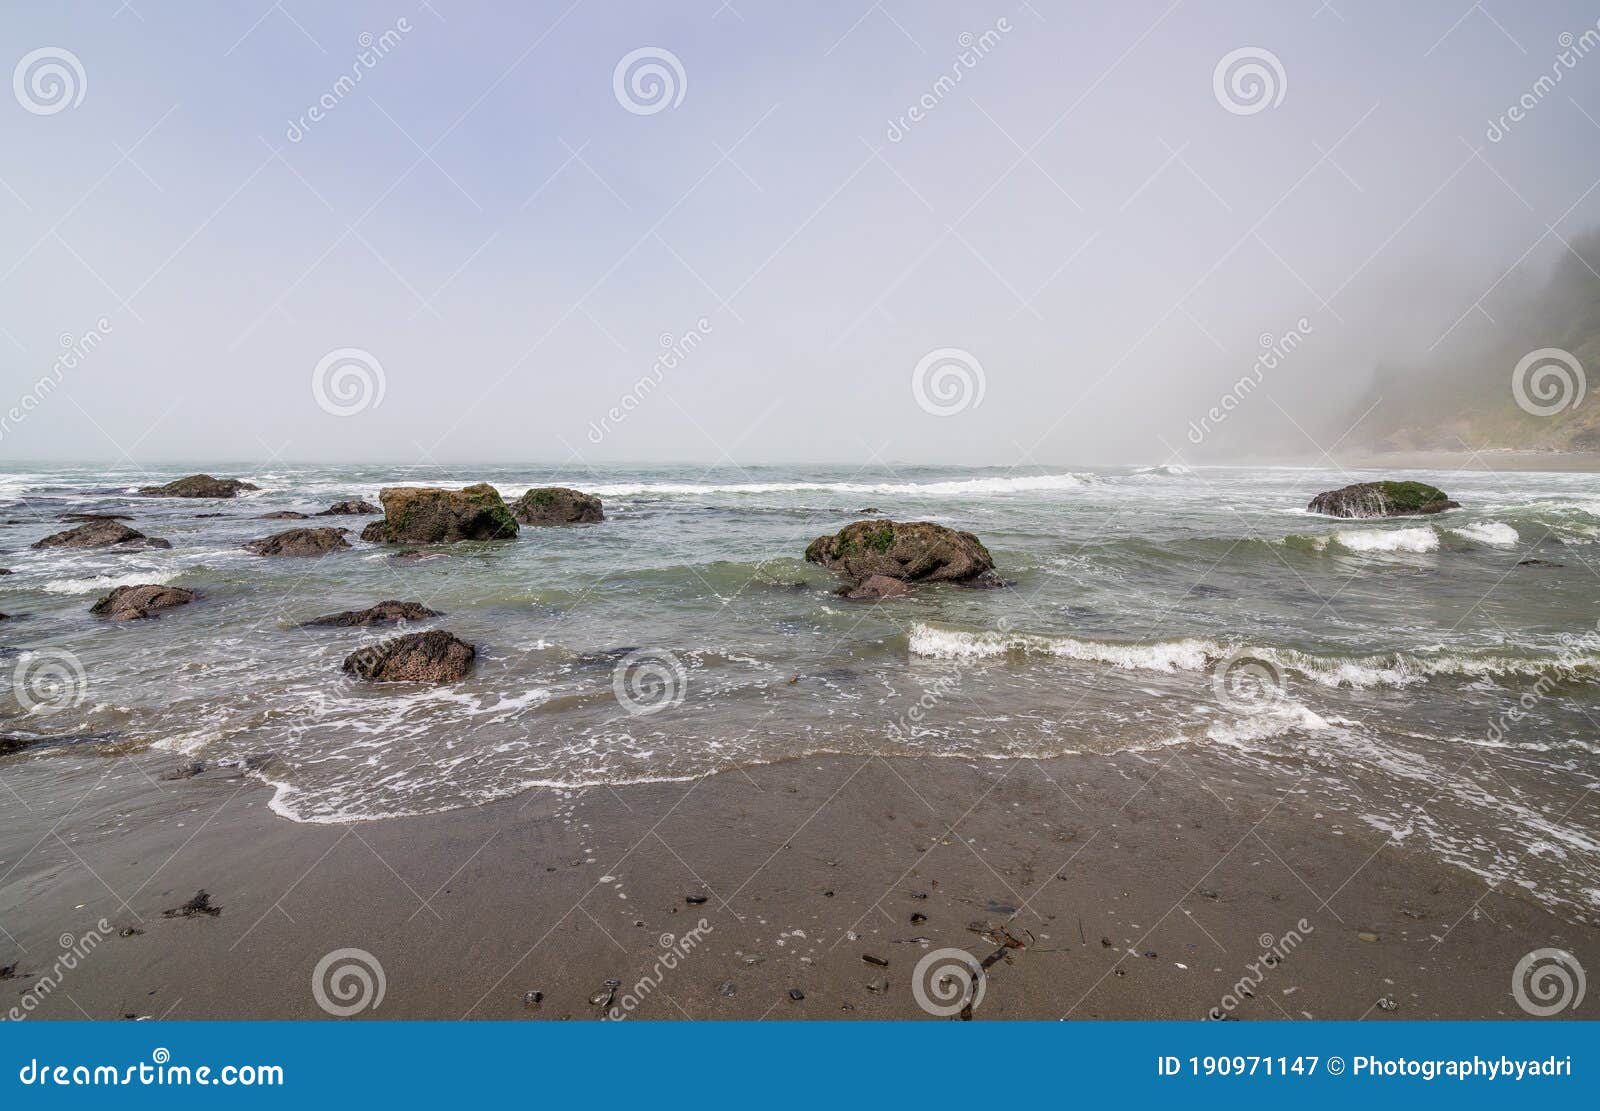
point(1132, 887)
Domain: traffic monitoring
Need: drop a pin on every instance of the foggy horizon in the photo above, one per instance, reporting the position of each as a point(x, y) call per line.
point(408, 235)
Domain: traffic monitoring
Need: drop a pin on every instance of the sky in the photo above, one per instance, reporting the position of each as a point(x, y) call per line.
point(904, 231)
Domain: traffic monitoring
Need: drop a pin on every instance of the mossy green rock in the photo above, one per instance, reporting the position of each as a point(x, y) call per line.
point(557, 505)
point(1382, 499)
point(423, 515)
point(913, 552)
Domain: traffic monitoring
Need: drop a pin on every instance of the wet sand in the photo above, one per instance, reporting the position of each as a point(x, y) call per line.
point(1129, 887)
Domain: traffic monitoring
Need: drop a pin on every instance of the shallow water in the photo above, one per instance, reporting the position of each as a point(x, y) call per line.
point(1147, 609)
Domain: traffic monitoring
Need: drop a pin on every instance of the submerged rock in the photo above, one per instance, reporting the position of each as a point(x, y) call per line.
point(422, 515)
point(350, 507)
point(97, 516)
point(129, 603)
point(102, 534)
point(557, 505)
point(431, 657)
point(300, 542)
point(199, 486)
point(915, 552)
point(381, 614)
point(874, 587)
point(282, 515)
point(1382, 499)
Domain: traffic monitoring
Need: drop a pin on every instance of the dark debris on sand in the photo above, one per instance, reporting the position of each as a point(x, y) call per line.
point(196, 907)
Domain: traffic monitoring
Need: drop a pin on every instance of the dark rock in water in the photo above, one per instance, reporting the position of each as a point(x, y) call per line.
point(199, 906)
point(300, 542)
point(97, 516)
point(421, 515)
point(410, 555)
point(381, 614)
point(874, 587)
point(203, 516)
point(431, 657)
point(915, 552)
point(184, 771)
point(5, 617)
point(1538, 563)
point(557, 505)
point(198, 486)
point(869, 509)
point(8, 745)
point(351, 507)
point(282, 515)
point(5, 570)
point(101, 534)
point(1382, 499)
point(129, 603)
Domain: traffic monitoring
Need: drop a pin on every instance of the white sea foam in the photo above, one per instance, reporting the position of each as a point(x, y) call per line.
point(1395, 669)
point(1419, 539)
point(100, 583)
point(971, 487)
point(1494, 533)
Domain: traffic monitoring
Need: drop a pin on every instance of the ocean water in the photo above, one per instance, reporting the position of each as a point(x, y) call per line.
point(1414, 675)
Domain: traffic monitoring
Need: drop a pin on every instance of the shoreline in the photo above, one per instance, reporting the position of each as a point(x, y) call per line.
point(1119, 887)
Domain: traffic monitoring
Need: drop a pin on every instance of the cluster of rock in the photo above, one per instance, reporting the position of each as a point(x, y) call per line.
point(876, 558)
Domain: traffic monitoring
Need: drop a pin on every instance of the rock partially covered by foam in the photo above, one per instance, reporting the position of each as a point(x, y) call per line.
point(131, 603)
point(914, 552)
point(431, 657)
point(1382, 499)
point(199, 486)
